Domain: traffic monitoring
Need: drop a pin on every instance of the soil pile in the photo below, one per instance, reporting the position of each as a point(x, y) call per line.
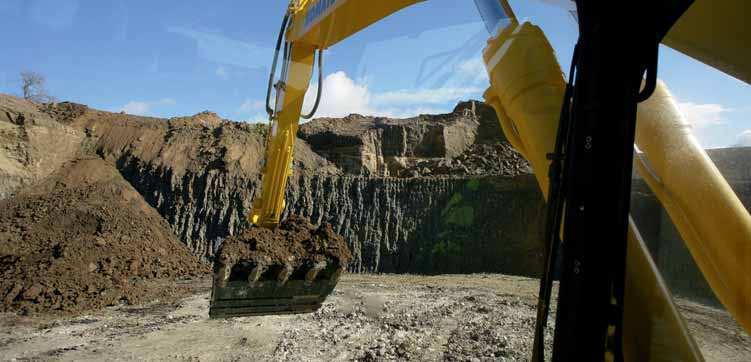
point(83, 239)
point(295, 243)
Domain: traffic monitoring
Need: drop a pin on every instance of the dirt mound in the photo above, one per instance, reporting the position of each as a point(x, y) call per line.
point(205, 119)
point(294, 243)
point(83, 239)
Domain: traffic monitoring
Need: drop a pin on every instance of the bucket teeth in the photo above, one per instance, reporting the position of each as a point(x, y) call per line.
point(284, 274)
point(337, 273)
point(222, 276)
point(256, 273)
point(260, 287)
point(312, 273)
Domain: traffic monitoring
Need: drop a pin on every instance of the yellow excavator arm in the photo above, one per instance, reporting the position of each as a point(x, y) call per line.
point(526, 90)
point(313, 26)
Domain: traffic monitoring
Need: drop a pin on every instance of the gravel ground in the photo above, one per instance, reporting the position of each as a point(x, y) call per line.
point(482, 317)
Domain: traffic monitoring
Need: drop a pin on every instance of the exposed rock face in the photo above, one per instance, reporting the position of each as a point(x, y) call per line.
point(378, 146)
point(429, 225)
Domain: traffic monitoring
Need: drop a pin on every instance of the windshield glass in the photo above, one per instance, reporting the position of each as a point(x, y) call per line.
point(135, 146)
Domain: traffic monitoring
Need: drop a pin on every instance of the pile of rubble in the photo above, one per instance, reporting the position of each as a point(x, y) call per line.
point(478, 160)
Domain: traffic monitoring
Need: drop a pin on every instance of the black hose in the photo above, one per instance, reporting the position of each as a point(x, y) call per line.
point(320, 86)
point(269, 110)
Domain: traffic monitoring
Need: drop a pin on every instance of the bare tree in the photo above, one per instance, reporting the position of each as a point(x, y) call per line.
point(32, 85)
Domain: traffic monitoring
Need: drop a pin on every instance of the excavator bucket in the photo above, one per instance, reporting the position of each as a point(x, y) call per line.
point(288, 269)
point(252, 288)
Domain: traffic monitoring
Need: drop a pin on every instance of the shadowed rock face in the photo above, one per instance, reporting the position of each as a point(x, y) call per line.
point(429, 225)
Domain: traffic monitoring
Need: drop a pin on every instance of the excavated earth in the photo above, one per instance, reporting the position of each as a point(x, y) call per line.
point(294, 242)
point(84, 239)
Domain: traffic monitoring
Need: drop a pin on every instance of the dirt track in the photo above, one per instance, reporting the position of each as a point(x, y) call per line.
point(369, 317)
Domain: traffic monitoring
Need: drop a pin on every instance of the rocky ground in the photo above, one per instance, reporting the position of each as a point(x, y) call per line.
point(481, 317)
point(478, 160)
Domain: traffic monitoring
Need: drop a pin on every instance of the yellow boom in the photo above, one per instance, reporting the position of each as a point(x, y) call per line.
point(314, 25)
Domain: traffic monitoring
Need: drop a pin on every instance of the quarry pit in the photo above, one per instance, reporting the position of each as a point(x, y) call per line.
point(109, 223)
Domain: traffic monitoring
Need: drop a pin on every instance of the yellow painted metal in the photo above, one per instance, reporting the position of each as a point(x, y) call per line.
point(323, 23)
point(706, 212)
point(268, 208)
point(526, 90)
point(526, 84)
point(653, 329)
point(716, 32)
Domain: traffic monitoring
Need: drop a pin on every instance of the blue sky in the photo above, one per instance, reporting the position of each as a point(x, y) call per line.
point(169, 58)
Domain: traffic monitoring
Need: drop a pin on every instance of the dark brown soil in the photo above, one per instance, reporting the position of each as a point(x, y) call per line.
point(295, 242)
point(83, 239)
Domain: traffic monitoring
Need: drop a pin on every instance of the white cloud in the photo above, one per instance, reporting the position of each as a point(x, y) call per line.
point(703, 115)
point(743, 139)
point(143, 108)
point(258, 118)
point(136, 107)
point(250, 105)
point(705, 119)
point(166, 102)
point(472, 71)
point(343, 96)
point(221, 72)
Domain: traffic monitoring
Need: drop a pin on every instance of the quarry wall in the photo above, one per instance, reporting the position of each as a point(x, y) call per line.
point(425, 225)
point(201, 174)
